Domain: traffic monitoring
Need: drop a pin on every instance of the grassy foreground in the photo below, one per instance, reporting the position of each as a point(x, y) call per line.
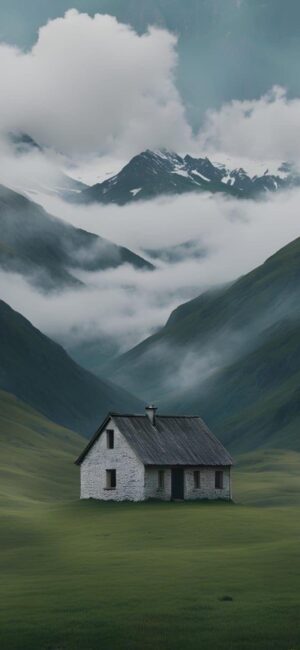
point(87, 576)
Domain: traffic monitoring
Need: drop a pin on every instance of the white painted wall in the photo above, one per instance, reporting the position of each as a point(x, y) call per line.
point(152, 490)
point(130, 470)
point(206, 490)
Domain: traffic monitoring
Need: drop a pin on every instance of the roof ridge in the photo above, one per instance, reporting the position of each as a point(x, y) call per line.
point(159, 415)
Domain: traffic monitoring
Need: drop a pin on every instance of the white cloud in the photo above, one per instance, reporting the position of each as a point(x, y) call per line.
point(128, 304)
point(94, 85)
point(261, 129)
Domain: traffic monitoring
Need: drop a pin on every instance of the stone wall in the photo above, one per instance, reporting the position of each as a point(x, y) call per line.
point(129, 470)
point(207, 488)
point(152, 489)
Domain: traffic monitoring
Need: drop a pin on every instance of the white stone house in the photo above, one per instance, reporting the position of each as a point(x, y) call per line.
point(139, 457)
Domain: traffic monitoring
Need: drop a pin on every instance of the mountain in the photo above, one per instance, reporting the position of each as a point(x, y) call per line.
point(255, 401)
point(232, 354)
point(156, 173)
point(40, 373)
point(57, 182)
point(191, 249)
point(36, 456)
point(49, 251)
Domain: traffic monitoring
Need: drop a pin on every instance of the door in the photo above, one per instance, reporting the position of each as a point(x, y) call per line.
point(177, 484)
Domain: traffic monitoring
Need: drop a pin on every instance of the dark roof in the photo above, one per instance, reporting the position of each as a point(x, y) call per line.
point(174, 440)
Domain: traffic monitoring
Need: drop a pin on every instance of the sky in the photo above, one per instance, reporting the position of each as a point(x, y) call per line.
point(217, 78)
point(93, 86)
point(228, 49)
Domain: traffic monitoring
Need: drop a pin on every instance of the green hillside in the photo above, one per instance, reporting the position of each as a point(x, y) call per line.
point(231, 354)
point(40, 372)
point(150, 575)
point(35, 456)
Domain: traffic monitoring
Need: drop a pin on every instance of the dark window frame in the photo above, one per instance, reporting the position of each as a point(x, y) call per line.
point(110, 439)
point(197, 479)
point(161, 479)
point(219, 479)
point(111, 479)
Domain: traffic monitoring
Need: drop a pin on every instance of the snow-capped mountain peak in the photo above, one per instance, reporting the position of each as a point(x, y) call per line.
point(162, 172)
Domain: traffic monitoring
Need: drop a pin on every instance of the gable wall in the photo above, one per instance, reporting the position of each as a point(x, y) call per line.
point(130, 470)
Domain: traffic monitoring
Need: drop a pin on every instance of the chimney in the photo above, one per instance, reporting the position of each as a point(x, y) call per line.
point(151, 411)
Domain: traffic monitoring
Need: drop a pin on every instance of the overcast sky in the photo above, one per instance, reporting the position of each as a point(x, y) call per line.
point(94, 86)
point(228, 49)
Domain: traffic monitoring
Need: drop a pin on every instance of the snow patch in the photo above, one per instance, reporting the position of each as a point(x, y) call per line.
point(180, 171)
point(135, 191)
point(194, 171)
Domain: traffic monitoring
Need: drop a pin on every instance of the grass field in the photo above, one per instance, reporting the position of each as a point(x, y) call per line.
point(87, 576)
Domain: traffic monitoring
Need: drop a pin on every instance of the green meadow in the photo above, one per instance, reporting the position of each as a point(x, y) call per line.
point(86, 575)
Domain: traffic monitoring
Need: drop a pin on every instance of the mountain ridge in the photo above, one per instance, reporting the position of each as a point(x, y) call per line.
point(39, 372)
point(49, 251)
point(157, 173)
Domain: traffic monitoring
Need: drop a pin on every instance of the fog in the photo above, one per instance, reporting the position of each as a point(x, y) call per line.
point(128, 304)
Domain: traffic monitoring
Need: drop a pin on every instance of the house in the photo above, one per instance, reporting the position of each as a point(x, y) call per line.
point(150, 456)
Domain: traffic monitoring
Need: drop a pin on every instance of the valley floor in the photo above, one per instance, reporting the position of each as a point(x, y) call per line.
point(217, 576)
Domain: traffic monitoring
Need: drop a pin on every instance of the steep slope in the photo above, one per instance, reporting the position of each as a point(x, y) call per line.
point(223, 320)
point(36, 456)
point(49, 251)
point(222, 354)
point(155, 173)
point(254, 402)
point(40, 372)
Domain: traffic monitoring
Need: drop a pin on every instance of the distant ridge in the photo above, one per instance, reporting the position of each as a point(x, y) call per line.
point(156, 173)
point(49, 251)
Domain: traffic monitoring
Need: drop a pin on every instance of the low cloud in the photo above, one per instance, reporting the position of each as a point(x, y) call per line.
point(126, 304)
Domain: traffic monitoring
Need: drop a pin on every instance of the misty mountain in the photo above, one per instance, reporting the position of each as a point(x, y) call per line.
point(191, 249)
point(156, 173)
point(23, 143)
point(64, 186)
point(41, 374)
point(255, 401)
point(48, 251)
point(231, 350)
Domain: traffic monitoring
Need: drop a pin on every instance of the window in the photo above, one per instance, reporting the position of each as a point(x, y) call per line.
point(196, 479)
point(219, 480)
point(111, 479)
point(161, 479)
point(110, 439)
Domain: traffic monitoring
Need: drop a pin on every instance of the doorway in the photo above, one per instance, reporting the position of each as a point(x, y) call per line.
point(177, 484)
